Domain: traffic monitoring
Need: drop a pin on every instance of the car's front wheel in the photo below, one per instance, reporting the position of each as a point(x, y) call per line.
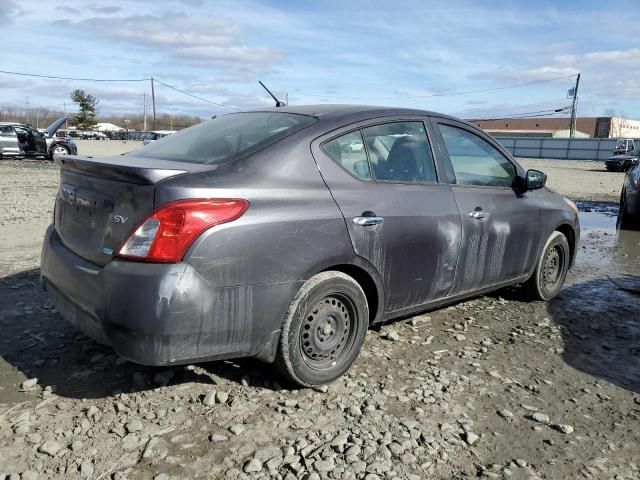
point(551, 271)
point(323, 329)
point(59, 150)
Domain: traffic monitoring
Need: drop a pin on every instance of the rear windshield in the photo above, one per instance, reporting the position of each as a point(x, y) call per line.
point(225, 138)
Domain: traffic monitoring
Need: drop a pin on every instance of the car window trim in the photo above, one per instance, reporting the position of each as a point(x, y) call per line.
point(479, 133)
point(361, 125)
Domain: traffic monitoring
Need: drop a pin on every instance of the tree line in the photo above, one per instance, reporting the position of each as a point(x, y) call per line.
point(87, 116)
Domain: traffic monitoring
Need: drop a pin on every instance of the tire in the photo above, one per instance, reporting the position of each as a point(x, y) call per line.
point(551, 271)
point(626, 219)
point(323, 330)
point(59, 150)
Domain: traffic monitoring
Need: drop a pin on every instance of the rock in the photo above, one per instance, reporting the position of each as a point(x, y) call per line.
point(209, 399)
point(29, 475)
point(217, 438)
point(76, 446)
point(50, 447)
point(566, 429)
point(236, 429)
point(86, 469)
point(29, 384)
point(130, 442)
point(540, 418)
point(252, 466)
point(392, 336)
point(470, 438)
point(156, 448)
point(520, 462)
point(92, 411)
point(134, 425)
point(161, 476)
point(324, 465)
point(355, 411)
point(222, 397)
point(505, 413)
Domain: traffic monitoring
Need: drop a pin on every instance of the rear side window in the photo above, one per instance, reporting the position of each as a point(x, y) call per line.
point(348, 150)
point(475, 161)
point(225, 138)
point(399, 152)
point(6, 130)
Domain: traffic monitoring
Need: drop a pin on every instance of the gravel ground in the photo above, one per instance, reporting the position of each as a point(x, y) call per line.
point(494, 387)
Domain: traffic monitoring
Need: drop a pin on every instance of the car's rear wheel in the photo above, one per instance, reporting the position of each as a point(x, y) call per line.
point(551, 271)
point(625, 218)
point(323, 329)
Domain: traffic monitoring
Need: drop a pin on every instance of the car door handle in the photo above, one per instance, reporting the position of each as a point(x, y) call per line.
point(479, 215)
point(367, 221)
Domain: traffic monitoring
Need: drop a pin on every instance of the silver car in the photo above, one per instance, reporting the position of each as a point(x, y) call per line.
point(24, 140)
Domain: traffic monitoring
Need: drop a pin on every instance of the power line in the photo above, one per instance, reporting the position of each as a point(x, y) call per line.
point(195, 96)
point(55, 77)
point(76, 78)
point(475, 111)
point(446, 94)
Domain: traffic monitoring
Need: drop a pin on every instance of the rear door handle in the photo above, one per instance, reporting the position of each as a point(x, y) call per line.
point(367, 221)
point(479, 215)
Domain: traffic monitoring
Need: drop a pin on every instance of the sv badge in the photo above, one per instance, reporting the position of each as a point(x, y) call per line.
point(119, 219)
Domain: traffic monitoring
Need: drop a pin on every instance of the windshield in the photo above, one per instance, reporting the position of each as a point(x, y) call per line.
point(225, 138)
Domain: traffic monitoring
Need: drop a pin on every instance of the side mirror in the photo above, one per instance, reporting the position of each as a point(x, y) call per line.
point(535, 180)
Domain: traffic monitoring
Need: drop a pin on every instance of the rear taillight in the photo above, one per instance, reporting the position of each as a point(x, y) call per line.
point(168, 232)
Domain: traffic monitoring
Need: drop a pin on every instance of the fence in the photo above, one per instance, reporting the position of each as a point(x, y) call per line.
point(561, 148)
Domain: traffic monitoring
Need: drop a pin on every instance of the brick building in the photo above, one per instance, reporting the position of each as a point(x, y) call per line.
point(595, 127)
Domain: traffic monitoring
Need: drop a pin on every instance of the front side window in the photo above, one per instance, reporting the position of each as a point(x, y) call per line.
point(475, 161)
point(399, 152)
point(225, 138)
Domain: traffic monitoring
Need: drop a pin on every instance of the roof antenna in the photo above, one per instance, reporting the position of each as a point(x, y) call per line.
point(278, 102)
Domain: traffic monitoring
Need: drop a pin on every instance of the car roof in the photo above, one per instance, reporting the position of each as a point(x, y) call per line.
point(11, 123)
point(342, 112)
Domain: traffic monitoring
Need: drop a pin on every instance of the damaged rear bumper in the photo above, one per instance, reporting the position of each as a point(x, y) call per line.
point(161, 314)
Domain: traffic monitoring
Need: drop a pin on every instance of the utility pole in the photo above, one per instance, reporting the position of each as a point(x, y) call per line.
point(153, 102)
point(572, 127)
point(144, 99)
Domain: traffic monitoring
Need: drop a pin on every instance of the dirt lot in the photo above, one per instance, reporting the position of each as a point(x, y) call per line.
point(493, 387)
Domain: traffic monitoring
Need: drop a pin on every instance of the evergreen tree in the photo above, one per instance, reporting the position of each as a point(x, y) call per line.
point(87, 106)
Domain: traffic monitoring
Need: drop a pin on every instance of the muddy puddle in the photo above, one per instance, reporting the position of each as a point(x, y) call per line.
point(618, 245)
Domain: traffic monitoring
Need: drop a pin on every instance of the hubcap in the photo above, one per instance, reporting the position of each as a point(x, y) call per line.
point(60, 151)
point(553, 265)
point(327, 331)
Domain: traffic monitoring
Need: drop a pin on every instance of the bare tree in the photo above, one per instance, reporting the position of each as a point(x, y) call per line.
point(618, 121)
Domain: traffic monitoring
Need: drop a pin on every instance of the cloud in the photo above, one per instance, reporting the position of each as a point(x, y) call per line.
point(197, 41)
point(8, 11)
point(108, 9)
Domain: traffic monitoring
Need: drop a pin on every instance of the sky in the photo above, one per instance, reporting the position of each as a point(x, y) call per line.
point(457, 57)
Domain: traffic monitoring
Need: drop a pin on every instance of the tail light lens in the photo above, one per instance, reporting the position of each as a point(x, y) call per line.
point(170, 230)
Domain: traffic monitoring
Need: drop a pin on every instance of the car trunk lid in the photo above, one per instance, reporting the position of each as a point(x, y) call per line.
point(100, 201)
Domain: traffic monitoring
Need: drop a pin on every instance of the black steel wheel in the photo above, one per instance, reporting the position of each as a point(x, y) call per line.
point(551, 271)
point(324, 329)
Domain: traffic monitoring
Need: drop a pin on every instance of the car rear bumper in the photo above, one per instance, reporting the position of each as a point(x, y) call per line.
point(161, 314)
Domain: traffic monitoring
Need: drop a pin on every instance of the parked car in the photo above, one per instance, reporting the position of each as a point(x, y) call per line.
point(623, 146)
point(24, 140)
point(629, 213)
point(623, 162)
point(263, 234)
point(149, 137)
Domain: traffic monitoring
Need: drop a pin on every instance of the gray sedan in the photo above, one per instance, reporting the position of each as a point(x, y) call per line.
point(283, 234)
point(24, 140)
